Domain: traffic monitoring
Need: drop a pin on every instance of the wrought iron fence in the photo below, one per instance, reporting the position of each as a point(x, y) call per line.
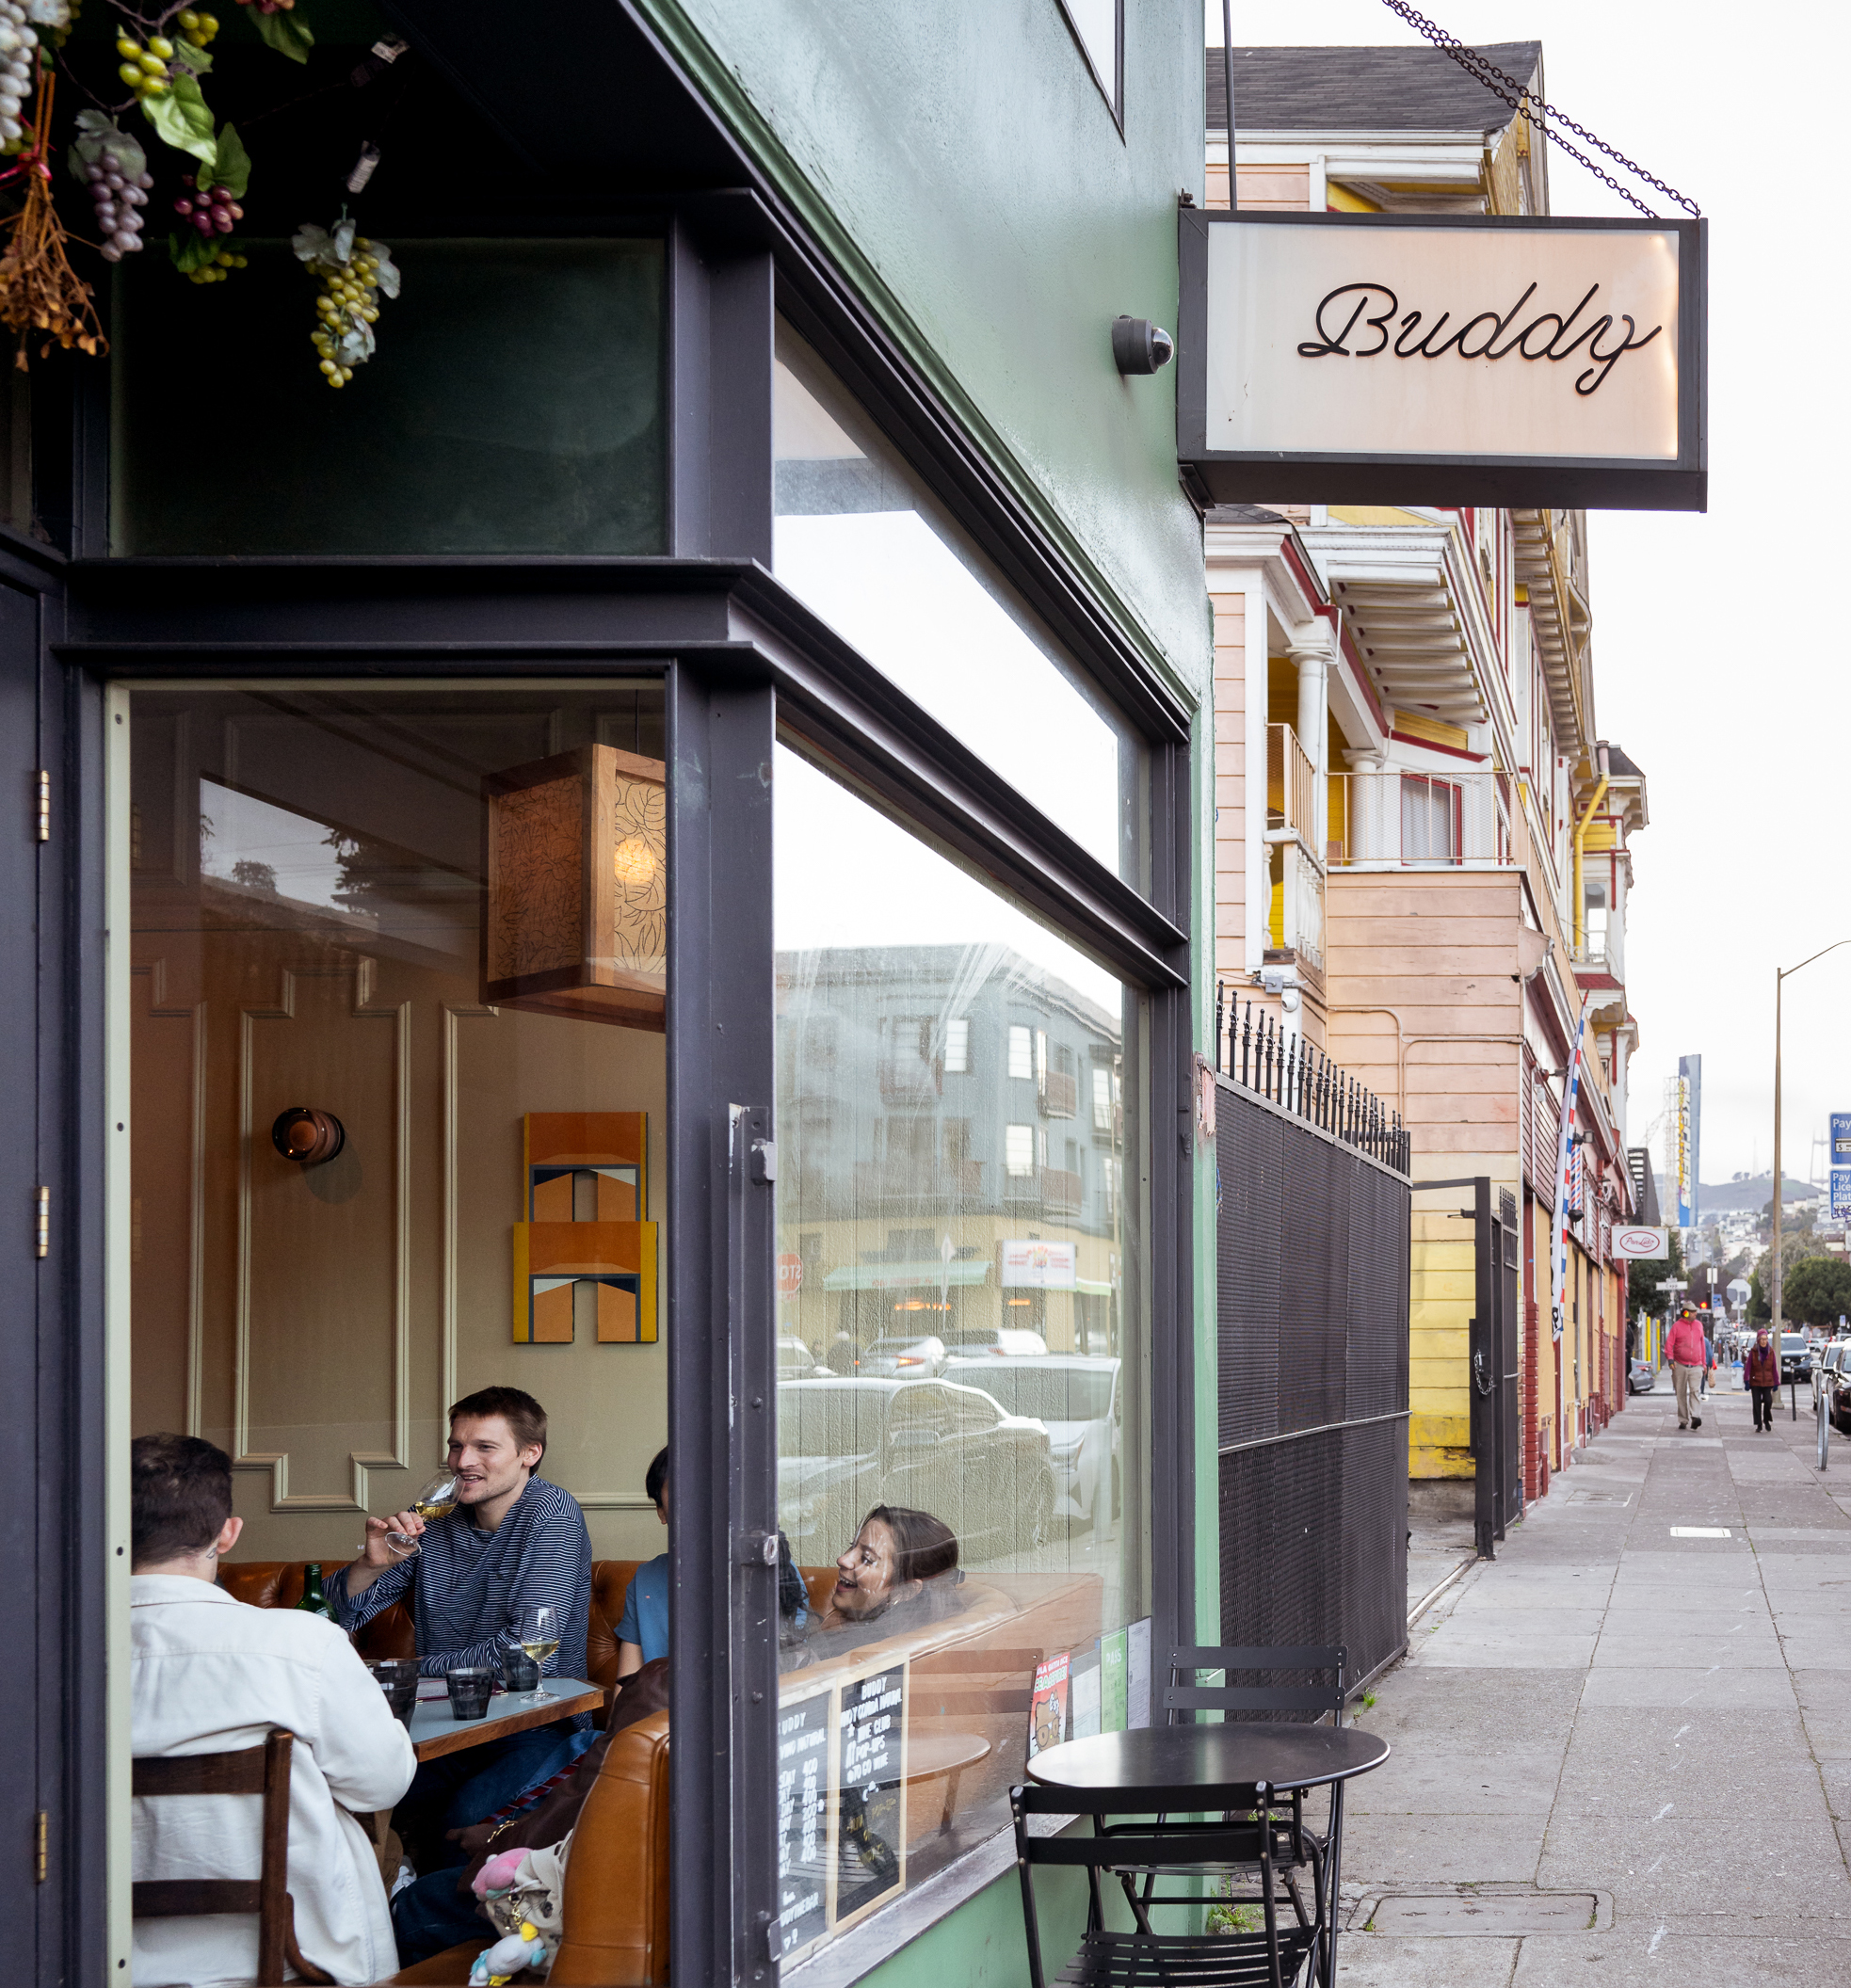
point(1259, 1055)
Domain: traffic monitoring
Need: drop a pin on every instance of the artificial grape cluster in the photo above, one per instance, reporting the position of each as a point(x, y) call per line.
point(145, 70)
point(214, 212)
point(119, 195)
point(219, 268)
point(348, 296)
point(19, 57)
point(198, 29)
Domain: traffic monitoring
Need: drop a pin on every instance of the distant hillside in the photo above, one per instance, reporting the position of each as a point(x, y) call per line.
point(1723, 1197)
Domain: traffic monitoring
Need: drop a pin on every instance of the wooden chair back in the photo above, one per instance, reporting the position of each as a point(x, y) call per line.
point(251, 1770)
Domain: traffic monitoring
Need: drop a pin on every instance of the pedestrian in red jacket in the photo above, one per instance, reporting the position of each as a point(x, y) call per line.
point(1685, 1347)
point(1761, 1375)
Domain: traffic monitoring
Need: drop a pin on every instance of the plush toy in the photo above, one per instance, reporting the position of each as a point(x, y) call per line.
point(505, 1957)
point(520, 1891)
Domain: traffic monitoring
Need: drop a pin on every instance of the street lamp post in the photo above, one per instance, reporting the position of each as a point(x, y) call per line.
point(1782, 974)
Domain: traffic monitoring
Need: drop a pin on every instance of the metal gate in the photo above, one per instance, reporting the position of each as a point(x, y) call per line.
point(1497, 1449)
point(1313, 1242)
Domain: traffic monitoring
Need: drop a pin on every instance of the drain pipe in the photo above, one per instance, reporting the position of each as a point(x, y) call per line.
point(1581, 827)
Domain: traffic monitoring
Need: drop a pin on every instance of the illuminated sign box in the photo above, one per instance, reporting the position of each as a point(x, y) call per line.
point(1422, 359)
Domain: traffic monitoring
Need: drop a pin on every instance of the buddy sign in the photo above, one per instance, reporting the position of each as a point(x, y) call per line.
point(1424, 359)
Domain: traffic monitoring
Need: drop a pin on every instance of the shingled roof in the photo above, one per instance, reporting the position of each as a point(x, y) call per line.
point(1365, 88)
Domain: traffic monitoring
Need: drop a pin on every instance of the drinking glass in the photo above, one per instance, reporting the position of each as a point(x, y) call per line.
point(471, 1684)
point(538, 1630)
point(397, 1678)
point(436, 1500)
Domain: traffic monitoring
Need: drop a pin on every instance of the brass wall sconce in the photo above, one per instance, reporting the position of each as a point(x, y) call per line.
point(308, 1137)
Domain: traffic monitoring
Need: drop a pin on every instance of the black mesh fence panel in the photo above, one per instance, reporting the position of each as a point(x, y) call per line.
point(1312, 1245)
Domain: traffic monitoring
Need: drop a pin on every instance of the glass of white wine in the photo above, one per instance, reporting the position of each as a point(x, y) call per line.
point(436, 1500)
point(537, 1630)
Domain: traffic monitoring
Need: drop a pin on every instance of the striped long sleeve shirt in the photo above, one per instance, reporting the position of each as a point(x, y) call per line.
point(466, 1586)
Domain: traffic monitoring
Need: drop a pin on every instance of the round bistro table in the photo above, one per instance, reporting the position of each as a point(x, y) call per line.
point(1219, 1767)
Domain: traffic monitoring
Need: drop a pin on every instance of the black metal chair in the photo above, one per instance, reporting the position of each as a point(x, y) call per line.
point(1144, 1958)
point(1288, 1843)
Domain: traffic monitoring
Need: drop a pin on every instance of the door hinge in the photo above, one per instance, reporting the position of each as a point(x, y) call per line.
point(44, 805)
point(39, 1853)
point(42, 1235)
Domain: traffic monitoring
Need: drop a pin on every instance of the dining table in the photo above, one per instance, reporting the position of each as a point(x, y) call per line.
point(1194, 1770)
point(436, 1730)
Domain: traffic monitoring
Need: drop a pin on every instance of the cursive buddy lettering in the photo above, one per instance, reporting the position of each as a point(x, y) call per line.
point(1360, 320)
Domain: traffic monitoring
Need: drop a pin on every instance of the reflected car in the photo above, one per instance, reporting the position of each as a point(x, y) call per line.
point(1075, 1397)
point(795, 1362)
point(997, 1342)
point(914, 1357)
point(845, 1446)
point(1642, 1377)
point(1796, 1356)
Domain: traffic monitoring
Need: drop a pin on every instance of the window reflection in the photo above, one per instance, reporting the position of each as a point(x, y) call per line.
point(961, 1447)
point(856, 536)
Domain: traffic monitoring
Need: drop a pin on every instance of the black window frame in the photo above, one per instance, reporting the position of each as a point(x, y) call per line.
point(743, 661)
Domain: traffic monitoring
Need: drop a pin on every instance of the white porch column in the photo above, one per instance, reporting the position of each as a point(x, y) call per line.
point(1312, 663)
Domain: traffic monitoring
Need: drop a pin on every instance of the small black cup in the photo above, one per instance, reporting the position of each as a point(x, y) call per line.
point(397, 1678)
point(471, 1686)
point(519, 1672)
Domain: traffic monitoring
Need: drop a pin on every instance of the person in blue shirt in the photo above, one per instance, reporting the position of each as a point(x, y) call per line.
point(642, 1635)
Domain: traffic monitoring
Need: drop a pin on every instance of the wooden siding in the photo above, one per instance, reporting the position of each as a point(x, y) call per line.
point(1276, 189)
point(1230, 785)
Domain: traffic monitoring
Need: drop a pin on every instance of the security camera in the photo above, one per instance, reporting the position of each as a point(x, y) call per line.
point(1140, 346)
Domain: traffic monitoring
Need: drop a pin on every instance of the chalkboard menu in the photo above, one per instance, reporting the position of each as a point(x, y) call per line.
point(803, 1821)
point(870, 1854)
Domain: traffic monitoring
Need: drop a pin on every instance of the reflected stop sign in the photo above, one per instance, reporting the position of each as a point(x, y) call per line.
point(790, 1273)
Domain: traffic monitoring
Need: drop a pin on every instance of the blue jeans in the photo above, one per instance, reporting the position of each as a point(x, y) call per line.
point(457, 1789)
point(431, 1915)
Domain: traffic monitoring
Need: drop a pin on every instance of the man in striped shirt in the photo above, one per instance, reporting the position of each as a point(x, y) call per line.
point(513, 1542)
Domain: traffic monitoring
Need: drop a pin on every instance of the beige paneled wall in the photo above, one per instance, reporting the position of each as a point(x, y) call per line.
point(315, 1322)
point(1266, 189)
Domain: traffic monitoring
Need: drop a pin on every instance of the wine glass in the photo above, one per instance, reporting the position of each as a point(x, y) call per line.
point(435, 1499)
point(537, 1630)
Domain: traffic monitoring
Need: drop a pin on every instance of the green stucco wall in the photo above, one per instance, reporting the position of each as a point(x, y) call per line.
point(964, 170)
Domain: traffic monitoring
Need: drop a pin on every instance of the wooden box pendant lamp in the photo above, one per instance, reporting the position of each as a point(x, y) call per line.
point(575, 914)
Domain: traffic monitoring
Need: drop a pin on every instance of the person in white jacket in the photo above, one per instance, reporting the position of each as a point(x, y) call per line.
point(209, 1675)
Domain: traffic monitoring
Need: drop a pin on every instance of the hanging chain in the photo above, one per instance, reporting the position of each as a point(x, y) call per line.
point(1534, 111)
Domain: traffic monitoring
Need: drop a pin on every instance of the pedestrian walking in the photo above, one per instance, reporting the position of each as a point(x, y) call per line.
point(1760, 1374)
point(1709, 1367)
point(1687, 1354)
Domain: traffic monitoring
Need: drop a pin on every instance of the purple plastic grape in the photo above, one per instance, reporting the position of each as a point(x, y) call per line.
point(115, 182)
point(144, 180)
point(183, 206)
point(125, 239)
point(204, 223)
point(111, 253)
point(110, 163)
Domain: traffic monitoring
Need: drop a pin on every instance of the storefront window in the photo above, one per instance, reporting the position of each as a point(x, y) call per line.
point(962, 1407)
point(395, 1004)
point(858, 536)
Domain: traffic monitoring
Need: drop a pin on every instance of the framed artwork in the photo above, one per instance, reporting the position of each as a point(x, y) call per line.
point(583, 1258)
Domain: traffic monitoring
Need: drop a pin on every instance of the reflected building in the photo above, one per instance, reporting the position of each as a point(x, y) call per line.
point(950, 1143)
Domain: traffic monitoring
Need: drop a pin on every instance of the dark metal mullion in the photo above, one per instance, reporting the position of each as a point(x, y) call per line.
point(1170, 1132)
point(719, 1054)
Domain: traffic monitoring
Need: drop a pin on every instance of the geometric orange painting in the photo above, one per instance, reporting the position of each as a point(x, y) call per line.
point(585, 1259)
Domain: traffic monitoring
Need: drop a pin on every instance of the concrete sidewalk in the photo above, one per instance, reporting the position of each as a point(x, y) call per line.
point(1623, 1753)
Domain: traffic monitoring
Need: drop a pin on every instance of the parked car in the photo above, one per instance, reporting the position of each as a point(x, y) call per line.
point(1076, 1400)
point(1796, 1356)
point(911, 1357)
point(1833, 1380)
point(1641, 1377)
point(845, 1446)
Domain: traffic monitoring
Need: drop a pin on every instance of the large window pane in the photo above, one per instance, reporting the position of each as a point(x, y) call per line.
point(514, 404)
point(961, 1338)
point(859, 537)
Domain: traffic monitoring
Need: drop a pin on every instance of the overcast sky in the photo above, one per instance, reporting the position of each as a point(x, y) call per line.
point(1718, 663)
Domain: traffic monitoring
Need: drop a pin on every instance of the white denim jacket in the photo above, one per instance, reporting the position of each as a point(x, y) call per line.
point(210, 1675)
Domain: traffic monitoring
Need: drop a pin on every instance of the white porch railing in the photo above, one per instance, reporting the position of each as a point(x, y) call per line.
point(1395, 820)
